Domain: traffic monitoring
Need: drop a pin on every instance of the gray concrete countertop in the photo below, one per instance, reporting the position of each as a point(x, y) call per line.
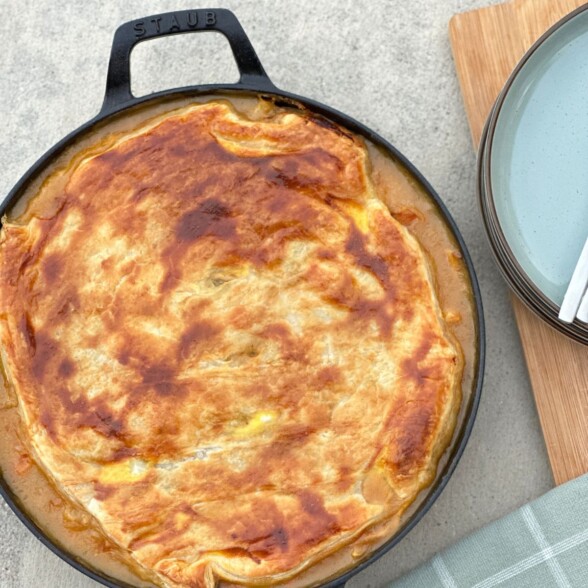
point(386, 63)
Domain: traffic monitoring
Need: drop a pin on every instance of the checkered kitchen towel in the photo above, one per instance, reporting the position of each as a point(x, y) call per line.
point(544, 544)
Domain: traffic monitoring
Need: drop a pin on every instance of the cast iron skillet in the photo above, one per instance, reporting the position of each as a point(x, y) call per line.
point(253, 80)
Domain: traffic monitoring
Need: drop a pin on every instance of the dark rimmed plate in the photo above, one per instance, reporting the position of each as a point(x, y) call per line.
point(533, 172)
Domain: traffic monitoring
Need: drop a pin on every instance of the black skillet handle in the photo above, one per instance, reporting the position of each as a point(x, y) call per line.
point(118, 81)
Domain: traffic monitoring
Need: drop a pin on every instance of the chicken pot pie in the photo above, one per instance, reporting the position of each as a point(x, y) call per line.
point(224, 347)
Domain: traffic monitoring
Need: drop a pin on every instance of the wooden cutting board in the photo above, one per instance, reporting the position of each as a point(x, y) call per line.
point(487, 44)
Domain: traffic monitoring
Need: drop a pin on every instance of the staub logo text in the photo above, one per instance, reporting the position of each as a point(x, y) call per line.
point(174, 22)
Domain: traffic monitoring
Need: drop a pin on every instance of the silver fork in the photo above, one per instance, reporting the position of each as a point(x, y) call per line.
point(582, 313)
point(575, 302)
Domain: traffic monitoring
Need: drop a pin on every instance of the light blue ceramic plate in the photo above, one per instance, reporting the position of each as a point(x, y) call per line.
point(539, 159)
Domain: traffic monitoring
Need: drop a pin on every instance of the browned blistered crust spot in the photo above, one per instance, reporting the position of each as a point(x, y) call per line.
point(221, 331)
point(52, 268)
point(195, 336)
point(28, 333)
point(66, 368)
point(407, 216)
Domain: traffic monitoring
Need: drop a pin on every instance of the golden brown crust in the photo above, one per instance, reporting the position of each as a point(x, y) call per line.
point(225, 347)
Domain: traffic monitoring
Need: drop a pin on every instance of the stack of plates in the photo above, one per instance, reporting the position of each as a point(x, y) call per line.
point(533, 170)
